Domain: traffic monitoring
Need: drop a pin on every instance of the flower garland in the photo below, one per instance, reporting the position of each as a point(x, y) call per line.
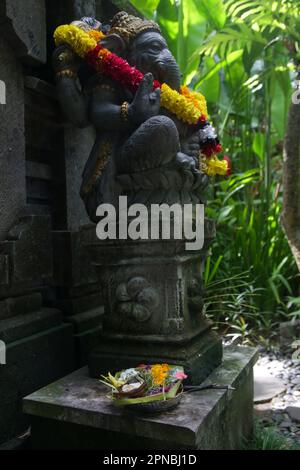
point(190, 107)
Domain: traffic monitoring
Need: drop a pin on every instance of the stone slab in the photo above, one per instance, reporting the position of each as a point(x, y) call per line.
point(266, 386)
point(78, 414)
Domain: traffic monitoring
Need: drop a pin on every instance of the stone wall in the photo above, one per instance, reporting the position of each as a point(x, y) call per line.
point(12, 149)
point(50, 301)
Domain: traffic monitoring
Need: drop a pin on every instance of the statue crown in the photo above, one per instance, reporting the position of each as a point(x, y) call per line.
point(129, 26)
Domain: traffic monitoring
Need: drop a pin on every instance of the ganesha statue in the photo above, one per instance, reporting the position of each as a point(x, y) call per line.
point(154, 143)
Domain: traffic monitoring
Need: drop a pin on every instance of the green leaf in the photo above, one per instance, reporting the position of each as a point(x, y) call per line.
point(193, 34)
point(167, 18)
point(215, 268)
point(216, 67)
point(146, 7)
point(210, 88)
point(259, 144)
point(213, 11)
point(232, 38)
point(279, 106)
point(251, 54)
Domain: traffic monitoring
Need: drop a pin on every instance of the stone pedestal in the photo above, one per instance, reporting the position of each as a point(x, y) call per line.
point(153, 300)
point(74, 413)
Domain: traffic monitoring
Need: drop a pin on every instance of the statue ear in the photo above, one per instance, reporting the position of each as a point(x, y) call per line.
point(114, 43)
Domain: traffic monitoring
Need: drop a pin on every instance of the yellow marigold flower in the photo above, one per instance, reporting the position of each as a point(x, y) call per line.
point(212, 166)
point(196, 98)
point(183, 105)
point(179, 105)
point(76, 38)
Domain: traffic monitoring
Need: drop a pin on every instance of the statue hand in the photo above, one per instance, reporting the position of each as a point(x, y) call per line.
point(191, 146)
point(146, 102)
point(187, 161)
point(64, 58)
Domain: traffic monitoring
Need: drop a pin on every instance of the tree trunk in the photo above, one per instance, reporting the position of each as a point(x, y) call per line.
point(291, 181)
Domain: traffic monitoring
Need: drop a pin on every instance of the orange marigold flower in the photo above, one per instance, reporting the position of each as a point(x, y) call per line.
point(159, 373)
point(103, 53)
point(97, 35)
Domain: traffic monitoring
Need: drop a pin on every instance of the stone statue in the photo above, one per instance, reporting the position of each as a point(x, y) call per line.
point(141, 150)
point(152, 289)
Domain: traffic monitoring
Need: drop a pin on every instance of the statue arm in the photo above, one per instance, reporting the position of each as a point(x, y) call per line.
point(105, 111)
point(73, 101)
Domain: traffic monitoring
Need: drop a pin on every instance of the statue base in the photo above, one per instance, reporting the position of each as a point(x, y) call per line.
point(198, 355)
point(153, 298)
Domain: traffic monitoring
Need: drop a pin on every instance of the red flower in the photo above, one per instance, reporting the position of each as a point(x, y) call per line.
point(229, 165)
point(218, 148)
point(119, 69)
point(208, 150)
point(92, 56)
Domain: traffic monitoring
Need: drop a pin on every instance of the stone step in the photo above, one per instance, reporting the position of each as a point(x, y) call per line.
point(20, 326)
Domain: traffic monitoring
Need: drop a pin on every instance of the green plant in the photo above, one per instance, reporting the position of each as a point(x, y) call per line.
point(243, 59)
point(268, 439)
point(248, 241)
point(185, 24)
point(231, 303)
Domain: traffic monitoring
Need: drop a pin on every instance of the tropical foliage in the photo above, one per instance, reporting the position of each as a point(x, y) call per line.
point(243, 55)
